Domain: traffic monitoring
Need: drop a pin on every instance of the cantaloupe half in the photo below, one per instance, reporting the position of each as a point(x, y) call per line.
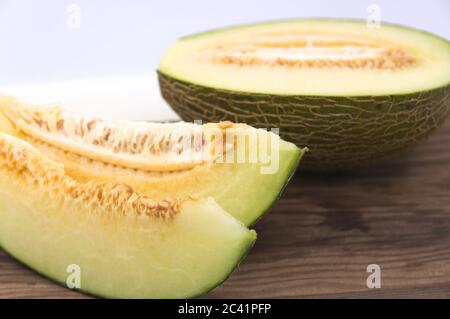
point(242, 168)
point(118, 242)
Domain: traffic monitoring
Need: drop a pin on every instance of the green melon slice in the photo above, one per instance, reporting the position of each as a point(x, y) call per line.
point(124, 244)
point(351, 92)
point(146, 156)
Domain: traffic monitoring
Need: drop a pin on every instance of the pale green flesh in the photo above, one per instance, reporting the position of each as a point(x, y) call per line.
point(189, 59)
point(251, 193)
point(127, 258)
point(121, 255)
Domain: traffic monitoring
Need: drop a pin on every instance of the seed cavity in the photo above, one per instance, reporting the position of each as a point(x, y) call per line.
point(300, 50)
point(137, 145)
point(34, 169)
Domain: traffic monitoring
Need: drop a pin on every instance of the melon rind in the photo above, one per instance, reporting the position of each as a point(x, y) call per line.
point(340, 132)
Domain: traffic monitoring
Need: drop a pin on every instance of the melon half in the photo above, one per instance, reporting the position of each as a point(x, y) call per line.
point(352, 93)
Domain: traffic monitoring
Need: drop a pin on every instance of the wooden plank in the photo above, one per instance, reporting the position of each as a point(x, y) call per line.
point(320, 237)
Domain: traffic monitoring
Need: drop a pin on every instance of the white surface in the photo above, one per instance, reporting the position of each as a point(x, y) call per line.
point(113, 98)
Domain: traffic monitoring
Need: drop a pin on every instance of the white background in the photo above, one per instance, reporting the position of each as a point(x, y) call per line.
point(107, 66)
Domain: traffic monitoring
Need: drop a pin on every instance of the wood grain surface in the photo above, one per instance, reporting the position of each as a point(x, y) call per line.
point(319, 238)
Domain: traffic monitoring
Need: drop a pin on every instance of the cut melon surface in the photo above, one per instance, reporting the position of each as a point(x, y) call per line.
point(318, 57)
point(151, 158)
point(125, 244)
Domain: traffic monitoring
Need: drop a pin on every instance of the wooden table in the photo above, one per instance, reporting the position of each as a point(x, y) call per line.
point(325, 231)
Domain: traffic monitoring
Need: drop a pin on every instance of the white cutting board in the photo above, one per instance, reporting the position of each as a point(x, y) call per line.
point(112, 98)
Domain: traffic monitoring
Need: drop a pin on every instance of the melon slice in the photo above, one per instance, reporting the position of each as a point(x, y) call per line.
point(352, 93)
point(163, 160)
point(122, 243)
